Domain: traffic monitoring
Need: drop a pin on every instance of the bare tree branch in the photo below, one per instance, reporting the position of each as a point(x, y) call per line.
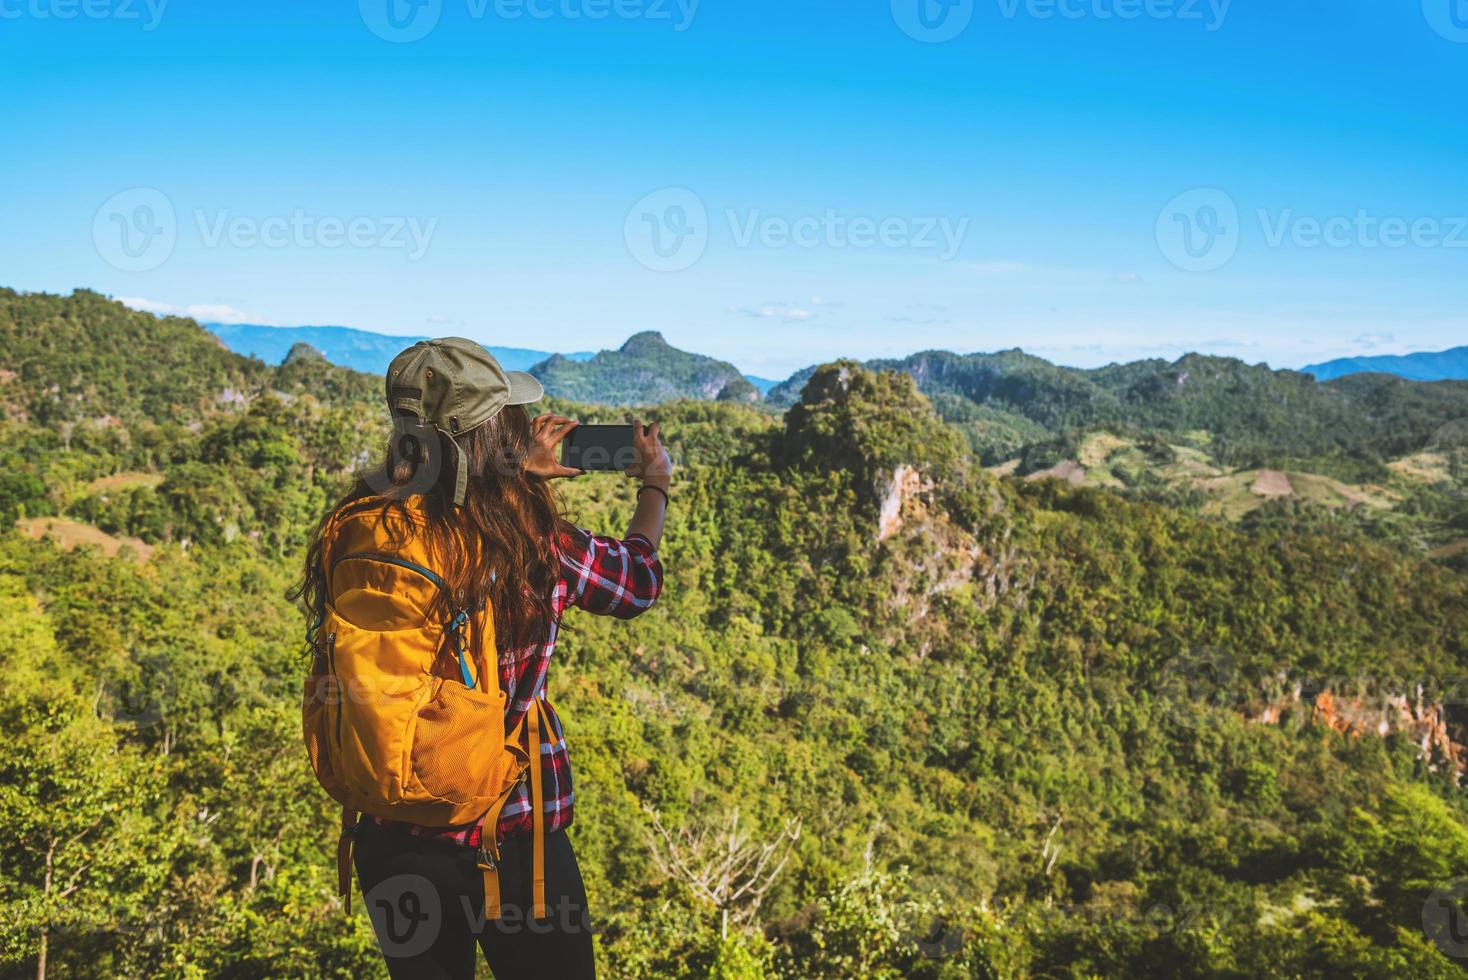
point(725, 867)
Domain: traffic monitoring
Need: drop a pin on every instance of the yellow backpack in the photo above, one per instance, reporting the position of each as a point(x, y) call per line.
point(402, 719)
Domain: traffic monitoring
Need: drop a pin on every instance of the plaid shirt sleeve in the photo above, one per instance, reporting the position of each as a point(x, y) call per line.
point(610, 577)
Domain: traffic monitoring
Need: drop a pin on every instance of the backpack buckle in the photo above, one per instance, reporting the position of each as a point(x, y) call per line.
point(486, 859)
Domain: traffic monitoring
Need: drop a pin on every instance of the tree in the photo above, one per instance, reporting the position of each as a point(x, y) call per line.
point(74, 802)
point(724, 864)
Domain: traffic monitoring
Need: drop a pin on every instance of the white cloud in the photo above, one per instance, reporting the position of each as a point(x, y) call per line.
point(1128, 277)
point(921, 314)
point(1371, 341)
point(203, 312)
point(775, 311)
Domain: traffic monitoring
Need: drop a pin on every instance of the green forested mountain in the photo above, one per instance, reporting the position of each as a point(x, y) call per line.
point(1369, 453)
point(644, 369)
point(85, 357)
point(1244, 410)
point(1011, 402)
point(1028, 729)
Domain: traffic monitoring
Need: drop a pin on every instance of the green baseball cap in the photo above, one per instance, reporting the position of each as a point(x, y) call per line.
point(455, 385)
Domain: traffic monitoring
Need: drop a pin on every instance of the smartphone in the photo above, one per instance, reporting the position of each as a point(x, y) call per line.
point(599, 447)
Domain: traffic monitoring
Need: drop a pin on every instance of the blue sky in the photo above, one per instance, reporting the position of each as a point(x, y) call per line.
point(772, 183)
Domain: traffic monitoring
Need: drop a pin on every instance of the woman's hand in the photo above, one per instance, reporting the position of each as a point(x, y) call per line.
point(546, 433)
point(653, 464)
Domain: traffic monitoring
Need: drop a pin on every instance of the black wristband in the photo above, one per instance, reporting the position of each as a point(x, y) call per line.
point(649, 486)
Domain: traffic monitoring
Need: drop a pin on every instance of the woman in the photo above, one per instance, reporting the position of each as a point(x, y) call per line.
point(475, 481)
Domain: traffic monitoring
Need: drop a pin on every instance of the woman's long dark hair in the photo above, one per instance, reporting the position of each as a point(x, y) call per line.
point(500, 546)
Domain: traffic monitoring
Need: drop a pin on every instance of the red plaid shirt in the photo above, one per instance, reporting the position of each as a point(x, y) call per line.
point(600, 575)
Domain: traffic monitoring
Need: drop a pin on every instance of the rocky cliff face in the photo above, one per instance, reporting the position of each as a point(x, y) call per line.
point(1442, 744)
point(932, 554)
point(906, 484)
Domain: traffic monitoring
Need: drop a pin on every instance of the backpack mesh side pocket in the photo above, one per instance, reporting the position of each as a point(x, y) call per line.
point(455, 746)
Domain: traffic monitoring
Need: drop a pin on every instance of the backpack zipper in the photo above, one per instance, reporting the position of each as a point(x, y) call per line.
point(438, 582)
point(391, 560)
point(340, 693)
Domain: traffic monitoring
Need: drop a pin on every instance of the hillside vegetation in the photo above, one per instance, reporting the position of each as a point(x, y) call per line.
point(1371, 454)
point(1248, 412)
point(1200, 433)
point(1029, 729)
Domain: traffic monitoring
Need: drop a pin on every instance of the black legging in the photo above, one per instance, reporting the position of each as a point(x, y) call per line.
point(426, 901)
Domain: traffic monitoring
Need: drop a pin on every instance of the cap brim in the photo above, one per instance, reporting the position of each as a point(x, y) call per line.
point(524, 389)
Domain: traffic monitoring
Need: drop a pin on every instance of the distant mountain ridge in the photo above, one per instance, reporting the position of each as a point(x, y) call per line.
point(1009, 404)
point(1005, 389)
point(1009, 399)
point(1446, 365)
point(360, 350)
point(369, 352)
point(644, 370)
point(1211, 434)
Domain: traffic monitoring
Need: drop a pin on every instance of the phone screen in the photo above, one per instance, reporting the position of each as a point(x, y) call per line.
point(599, 447)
